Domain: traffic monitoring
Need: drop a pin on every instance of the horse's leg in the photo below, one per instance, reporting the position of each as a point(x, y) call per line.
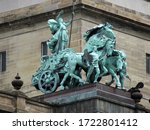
point(97, 74)
point(90, 70)
point(62, 82)
point(121, 79)
point(112, 81)
point(77, 77)
point(118, 84)
point(72, 68)
point(105, 71)
point(68, 73)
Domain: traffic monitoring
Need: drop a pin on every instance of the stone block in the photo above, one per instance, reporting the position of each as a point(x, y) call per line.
point(90, 98)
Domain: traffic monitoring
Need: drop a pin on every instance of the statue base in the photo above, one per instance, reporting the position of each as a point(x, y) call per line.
point(90, 98)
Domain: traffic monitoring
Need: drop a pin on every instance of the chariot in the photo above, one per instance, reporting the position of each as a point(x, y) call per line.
point(48, 76)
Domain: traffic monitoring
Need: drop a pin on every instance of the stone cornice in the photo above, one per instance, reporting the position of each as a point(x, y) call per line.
point(52, 5)
point(44, 12)
point(118, 10)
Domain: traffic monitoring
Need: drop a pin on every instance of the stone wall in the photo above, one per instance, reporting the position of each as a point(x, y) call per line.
point(23, 30)
point(18, 102)
point(8, 5)
point(140, 6)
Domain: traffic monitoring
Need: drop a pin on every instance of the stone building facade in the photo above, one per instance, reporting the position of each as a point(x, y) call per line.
point(23, 30)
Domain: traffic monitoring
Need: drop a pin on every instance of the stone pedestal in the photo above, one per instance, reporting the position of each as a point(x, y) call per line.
point(91, 98)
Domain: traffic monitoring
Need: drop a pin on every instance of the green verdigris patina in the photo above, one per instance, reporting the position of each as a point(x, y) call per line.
point(63, 67)
point(58, 27)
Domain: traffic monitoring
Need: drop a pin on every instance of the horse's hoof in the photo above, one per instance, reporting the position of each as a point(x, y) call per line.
point(61, 88)
point(82, 81)
point(118, 86)
point(66, 87)
point(87, 82)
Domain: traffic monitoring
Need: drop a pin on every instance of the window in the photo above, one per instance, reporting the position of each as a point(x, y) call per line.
point(44, 49)
point(148, 63)
point(2, 61)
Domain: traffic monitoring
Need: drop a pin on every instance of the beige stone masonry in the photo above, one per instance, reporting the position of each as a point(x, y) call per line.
point(51, 5)
point(18, 102)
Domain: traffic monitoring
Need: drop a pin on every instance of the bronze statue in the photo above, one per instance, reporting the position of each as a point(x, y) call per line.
point(58, 27)
point(98, 58)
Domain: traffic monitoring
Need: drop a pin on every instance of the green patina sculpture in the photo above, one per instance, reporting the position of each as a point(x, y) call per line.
point(98, 58)
point(60, 38)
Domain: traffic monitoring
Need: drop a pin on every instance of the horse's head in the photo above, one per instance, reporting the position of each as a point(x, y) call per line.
point(109, 47)
point(122, 55)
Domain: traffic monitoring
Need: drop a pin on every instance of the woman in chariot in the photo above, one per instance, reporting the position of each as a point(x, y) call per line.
point(60, 37)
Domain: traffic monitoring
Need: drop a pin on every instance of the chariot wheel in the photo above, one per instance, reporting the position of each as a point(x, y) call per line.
point(48, 82)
